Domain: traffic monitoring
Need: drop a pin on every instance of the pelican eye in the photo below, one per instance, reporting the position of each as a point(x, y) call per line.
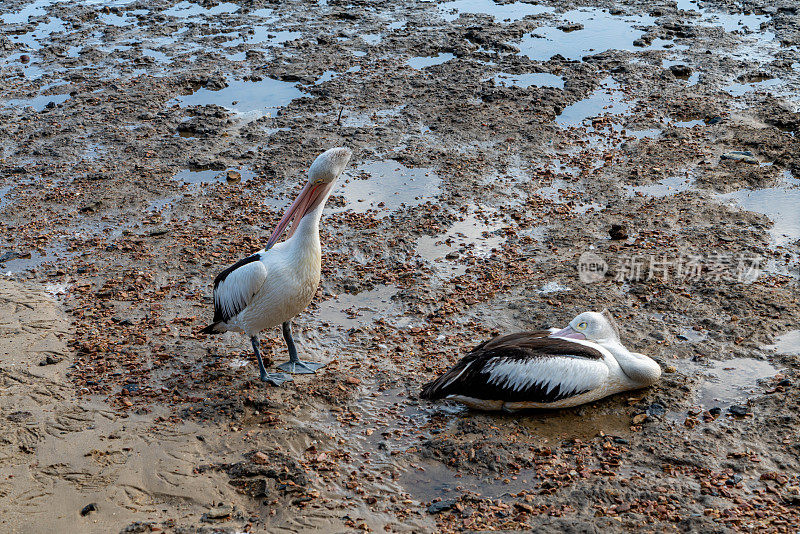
point(582, 325)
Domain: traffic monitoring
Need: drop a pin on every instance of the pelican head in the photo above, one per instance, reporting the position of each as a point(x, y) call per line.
point(321, 176)
point(598, 327)
point(329, 165)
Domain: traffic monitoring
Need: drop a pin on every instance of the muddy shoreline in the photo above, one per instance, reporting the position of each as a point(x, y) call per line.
point(145, 146)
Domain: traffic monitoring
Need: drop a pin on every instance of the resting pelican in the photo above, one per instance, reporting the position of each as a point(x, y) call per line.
point(276, 283)
point(546, 369)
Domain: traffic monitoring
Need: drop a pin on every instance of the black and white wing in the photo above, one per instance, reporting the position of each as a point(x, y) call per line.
point(236, 285)
point(525, 367)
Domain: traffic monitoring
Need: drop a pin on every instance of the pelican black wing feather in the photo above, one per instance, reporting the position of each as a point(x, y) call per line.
point(513, 368)
point(236, 285)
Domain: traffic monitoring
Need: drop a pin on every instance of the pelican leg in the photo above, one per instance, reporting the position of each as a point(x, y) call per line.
point(294, 365)
point(276, 379)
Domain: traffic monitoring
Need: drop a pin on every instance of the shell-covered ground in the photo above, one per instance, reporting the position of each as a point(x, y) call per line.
point(504, 155)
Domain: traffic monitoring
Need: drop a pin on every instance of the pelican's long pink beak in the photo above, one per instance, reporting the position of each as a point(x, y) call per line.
point(568, 332)
point(306, 202)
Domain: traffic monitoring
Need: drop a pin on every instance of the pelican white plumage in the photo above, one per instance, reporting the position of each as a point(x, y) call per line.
point(581, 363)
point(275, 284)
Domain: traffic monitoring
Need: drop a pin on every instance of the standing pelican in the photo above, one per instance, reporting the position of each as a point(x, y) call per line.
point(546, 369)
point(276, 283)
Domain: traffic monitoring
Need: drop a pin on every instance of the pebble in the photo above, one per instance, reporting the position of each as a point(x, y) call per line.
point(745, 156)
point(441, 506)
point(88, 509)
point(50, 360)
point(260, 458)
point(618, 232)
point(219, 512)
point(638, 419)
point(680, 70)
point(739, 410)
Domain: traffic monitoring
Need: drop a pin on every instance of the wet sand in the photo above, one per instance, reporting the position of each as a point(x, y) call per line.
point(497, 150)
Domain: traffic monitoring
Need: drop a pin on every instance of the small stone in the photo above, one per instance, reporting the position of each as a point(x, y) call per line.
point(523, 507)
point(680, 71)
point(452, 255)
point(260, 458)
point(353, 381)
point(50, 360)
point(639, 419)
point(715, 411)
point(739, 410)
point(233, 176)
point(618, 232)
point(670, 369)
point(441, 506)
point(218, 512)
point(745, 156)
point(624, 507)
point(88, 509)
point(24, 58)
point(570, 27)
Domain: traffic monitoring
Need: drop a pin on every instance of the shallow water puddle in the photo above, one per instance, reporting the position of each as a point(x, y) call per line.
point(511, 12)
point(665, 187)
point(788, 343)
point(34, 9)
point(729, 21)
point(245, 97)
point(601, 31)
point(189, 9)
point(191, 176)
point(523, 81)
point(781, 204)
point(30, 69)
point(39, 103)
point(607, 99)
point(739, 89)
point(422, 62)
point(386, 186)
point(42, 31)
point(348, 310)
point(329, 75)
point(732, 381)
point(475, 233)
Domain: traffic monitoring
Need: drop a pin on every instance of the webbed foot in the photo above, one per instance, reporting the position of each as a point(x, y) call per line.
point(300, 368)
point(276, 379)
